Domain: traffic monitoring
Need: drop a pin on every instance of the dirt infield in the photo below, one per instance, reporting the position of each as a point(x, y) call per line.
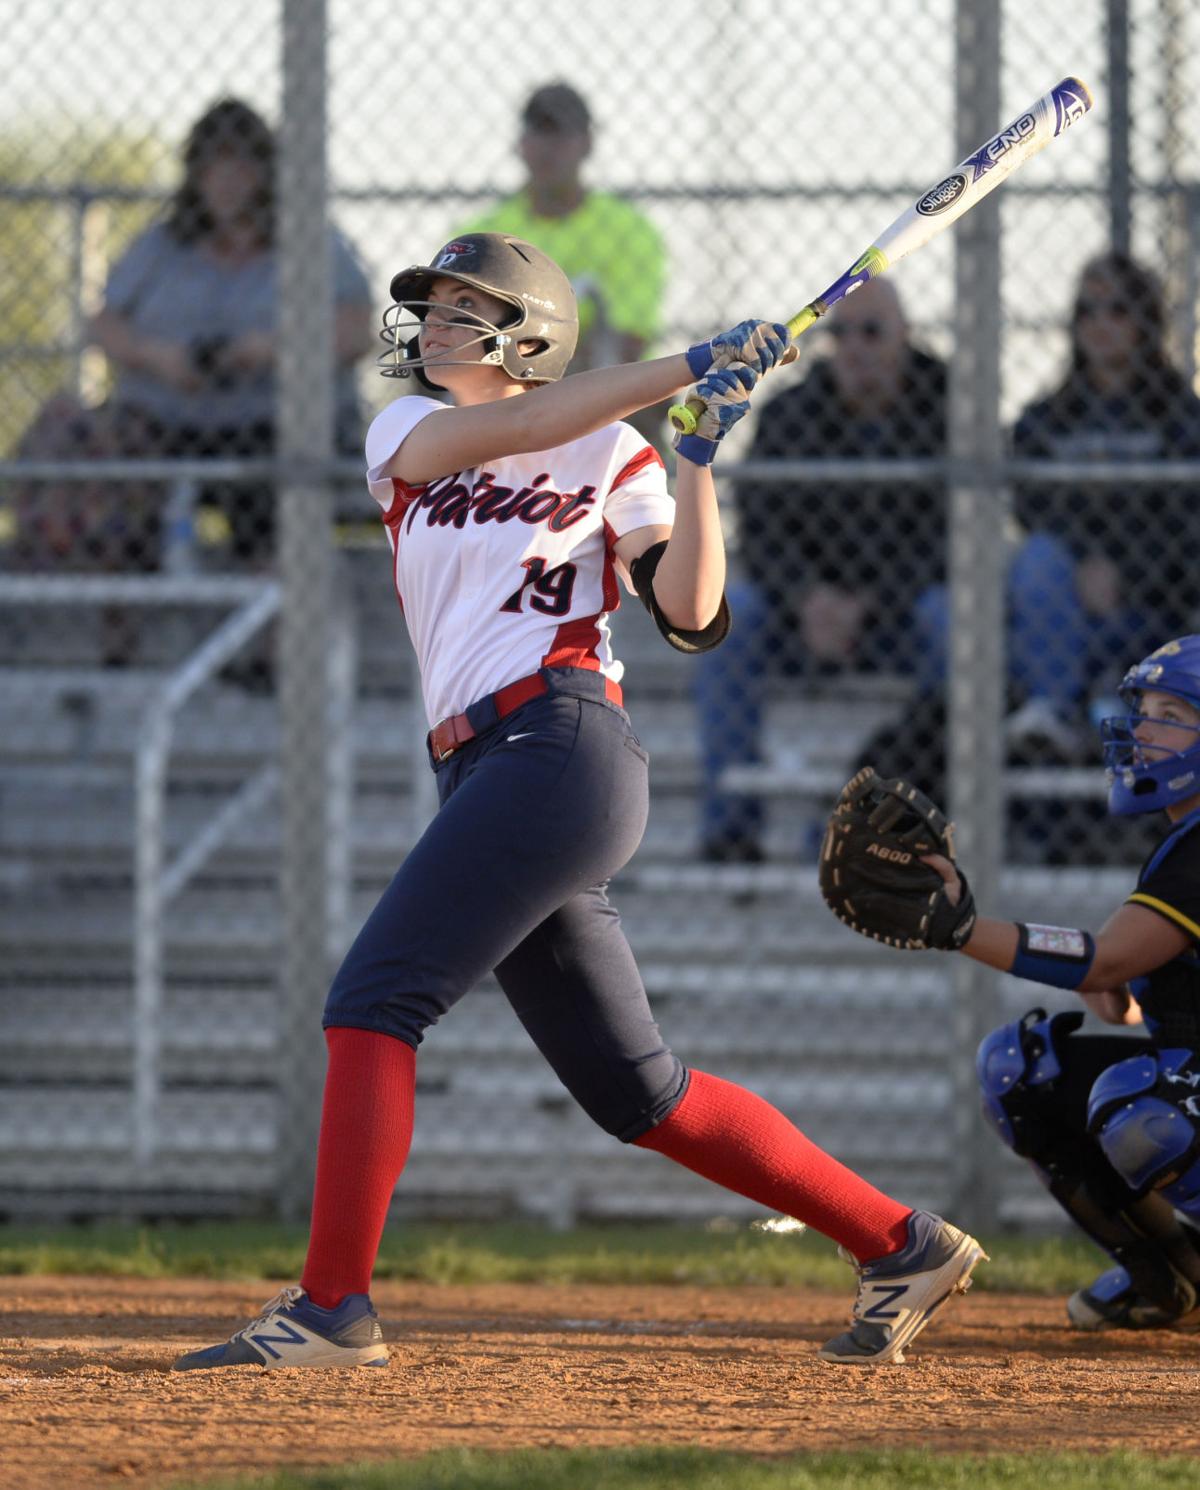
point(86, 1398)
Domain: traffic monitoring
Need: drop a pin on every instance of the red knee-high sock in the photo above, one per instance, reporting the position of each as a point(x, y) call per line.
point(366, 1129)
point(734, 1138)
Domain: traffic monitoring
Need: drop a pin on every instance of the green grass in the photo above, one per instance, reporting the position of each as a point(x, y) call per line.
point(720, 1255)
point(694, 1469)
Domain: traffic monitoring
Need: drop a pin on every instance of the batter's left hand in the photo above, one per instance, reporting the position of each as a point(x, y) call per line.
point(725, 394)
point(759, 345)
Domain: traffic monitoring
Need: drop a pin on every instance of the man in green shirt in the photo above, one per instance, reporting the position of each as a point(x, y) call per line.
point(612, 254)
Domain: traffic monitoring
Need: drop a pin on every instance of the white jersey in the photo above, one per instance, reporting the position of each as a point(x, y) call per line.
point(508, 568)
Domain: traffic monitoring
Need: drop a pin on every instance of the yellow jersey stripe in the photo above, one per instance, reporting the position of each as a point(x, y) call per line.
point(1137, 898)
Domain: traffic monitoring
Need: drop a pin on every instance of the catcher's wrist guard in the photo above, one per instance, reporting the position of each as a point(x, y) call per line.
point(1059, 956)
point(872, 871)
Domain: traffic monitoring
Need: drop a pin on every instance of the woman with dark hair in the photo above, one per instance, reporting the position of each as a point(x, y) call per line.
point(1104, 568)
point(189, 320)
point(231, 132)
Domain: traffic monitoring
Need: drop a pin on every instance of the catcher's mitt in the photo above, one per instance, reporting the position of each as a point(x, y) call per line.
point(871, 873)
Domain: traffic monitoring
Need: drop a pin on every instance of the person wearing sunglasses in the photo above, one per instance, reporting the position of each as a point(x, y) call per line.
point(1102, 569)
point(829, 573)
point(1095, 569)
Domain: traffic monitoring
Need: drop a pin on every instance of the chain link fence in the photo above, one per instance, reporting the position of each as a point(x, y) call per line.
point(953, 523)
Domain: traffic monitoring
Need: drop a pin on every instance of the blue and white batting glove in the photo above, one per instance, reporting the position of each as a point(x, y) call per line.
point(758, 344)
point(725, 395)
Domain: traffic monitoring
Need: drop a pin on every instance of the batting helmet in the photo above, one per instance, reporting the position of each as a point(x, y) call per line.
point(1137, 784)
point(544, 319)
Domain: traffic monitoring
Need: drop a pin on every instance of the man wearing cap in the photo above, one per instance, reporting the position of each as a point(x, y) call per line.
point(612, 254)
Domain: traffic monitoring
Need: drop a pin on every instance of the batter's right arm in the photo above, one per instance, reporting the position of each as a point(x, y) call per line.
point(557, 413)
point(540, 419)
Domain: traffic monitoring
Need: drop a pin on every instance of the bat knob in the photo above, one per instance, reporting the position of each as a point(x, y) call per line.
point(684, 417)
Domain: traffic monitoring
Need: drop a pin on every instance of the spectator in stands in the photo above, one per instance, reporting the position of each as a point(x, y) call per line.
point(831, 572)
point(1103, 569)
point(78, 526)
point(189, 321)
point(1100, 570)
point(85, 526)
point(612, 254)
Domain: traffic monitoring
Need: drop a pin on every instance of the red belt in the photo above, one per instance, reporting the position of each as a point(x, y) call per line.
point(453, 733)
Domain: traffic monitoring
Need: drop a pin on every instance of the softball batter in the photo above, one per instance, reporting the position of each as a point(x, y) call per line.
point(511, 513)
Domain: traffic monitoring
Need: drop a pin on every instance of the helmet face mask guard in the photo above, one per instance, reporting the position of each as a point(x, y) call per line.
point(1148, 778)
point(533, 345)
point(402, 332)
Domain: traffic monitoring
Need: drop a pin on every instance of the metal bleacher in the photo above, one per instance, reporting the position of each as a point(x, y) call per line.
point(750, 976)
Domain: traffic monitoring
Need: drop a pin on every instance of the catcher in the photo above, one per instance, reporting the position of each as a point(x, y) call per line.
point(1110, 1123)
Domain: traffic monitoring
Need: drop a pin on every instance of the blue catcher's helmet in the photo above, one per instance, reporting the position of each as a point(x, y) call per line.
point(1138, 783)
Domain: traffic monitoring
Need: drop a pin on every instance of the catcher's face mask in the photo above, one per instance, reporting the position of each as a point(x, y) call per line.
point(1152, 753)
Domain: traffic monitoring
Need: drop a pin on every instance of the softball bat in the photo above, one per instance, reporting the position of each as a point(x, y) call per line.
point(944, 203)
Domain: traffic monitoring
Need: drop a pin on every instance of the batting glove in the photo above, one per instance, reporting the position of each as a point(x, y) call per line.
point(758, 344)
point(725, 395)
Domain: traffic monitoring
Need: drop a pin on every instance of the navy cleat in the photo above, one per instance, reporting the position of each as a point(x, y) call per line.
point(898, 1294)
point(293, 1331)
point(1112, 1303)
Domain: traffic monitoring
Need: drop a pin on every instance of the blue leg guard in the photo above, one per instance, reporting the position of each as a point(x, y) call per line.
point(1012, 1063)
point(1019, 1066)
point(1145, 1113)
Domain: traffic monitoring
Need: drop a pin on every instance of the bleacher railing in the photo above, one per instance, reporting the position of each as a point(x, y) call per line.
point(157, 880)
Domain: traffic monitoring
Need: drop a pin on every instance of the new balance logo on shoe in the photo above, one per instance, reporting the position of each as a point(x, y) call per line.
point(289, 1336)
point(883, 1297)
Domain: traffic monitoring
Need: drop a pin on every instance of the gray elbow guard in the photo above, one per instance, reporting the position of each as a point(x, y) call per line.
point(641, 572)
